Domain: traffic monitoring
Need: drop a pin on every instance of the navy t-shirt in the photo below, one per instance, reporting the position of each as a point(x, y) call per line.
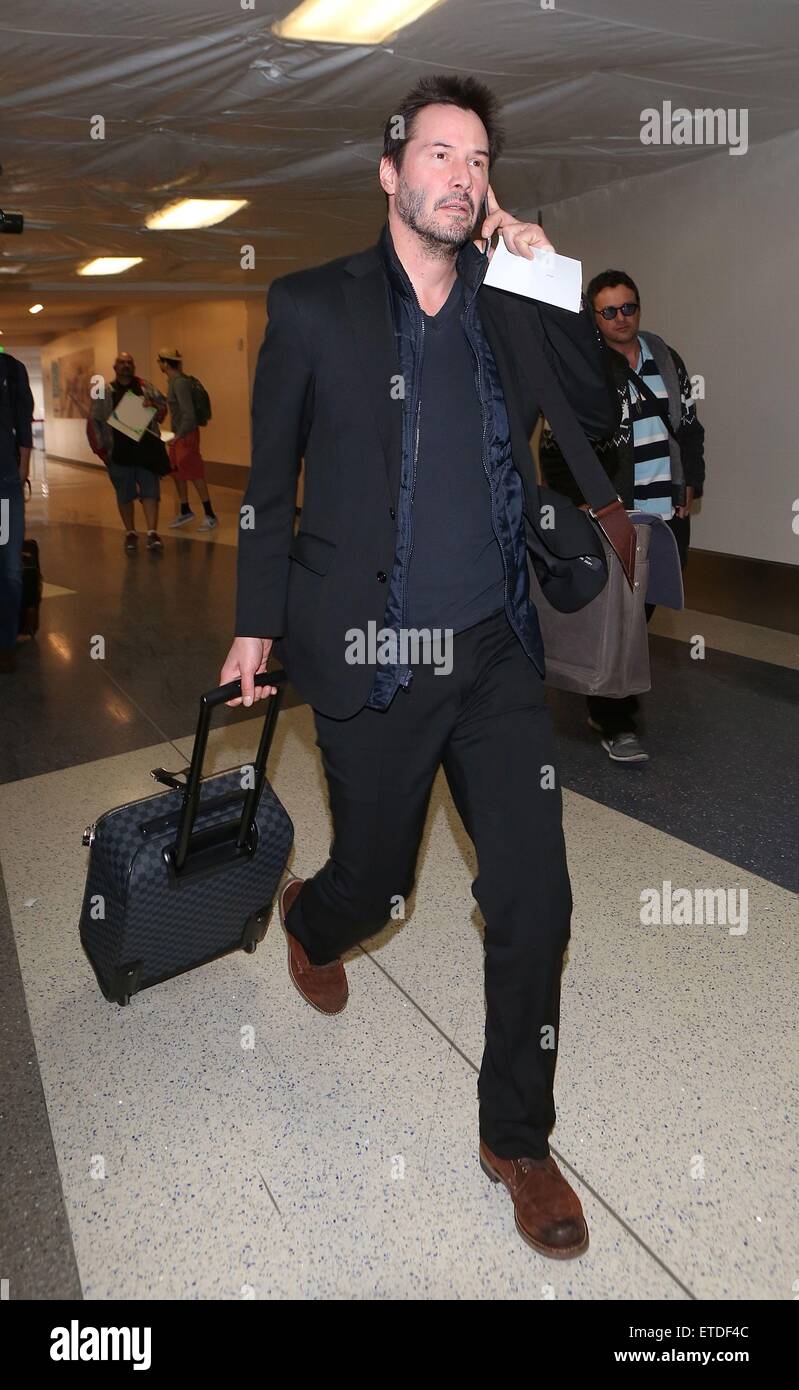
point(456, 576)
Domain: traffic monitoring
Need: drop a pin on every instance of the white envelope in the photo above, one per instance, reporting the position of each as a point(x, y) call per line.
point(549, 277)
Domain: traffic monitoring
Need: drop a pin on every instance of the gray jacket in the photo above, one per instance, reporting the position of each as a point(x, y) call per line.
point(181, 405)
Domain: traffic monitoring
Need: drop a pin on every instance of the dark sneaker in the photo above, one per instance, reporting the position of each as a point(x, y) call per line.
point(548, 1212)
point(624, 748)
point(131, 540)
point(154, 541)
point(324, 986)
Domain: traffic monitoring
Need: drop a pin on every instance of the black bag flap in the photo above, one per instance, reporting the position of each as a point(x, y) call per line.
point(566, 552)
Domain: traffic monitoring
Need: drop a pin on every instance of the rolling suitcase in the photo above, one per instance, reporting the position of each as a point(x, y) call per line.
point(31, 589)
point(179, 878)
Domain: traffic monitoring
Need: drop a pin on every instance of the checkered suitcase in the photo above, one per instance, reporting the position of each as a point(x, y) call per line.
point(179, 878)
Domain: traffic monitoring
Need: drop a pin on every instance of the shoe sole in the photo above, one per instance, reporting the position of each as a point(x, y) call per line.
point(637, 758)
point(569, 1252)
point(329, 1013)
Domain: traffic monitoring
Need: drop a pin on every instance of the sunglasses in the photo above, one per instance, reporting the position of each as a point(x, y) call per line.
point(610, 311)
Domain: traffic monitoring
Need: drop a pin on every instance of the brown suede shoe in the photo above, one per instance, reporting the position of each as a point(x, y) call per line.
point(324, 986)
point(548, 1211)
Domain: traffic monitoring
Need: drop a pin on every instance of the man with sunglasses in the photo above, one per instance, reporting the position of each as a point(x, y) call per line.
point(655, 459)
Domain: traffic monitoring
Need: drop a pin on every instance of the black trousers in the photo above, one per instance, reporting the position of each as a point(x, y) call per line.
point(617, 716)
point(488, 724)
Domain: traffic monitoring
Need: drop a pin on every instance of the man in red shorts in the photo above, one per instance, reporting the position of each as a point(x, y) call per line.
point(184, 451)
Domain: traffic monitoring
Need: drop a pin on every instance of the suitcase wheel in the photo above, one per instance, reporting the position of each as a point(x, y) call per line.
point(30, 622)
point(255, 929)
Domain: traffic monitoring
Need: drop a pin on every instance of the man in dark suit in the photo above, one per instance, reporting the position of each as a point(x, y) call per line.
point(412, 392)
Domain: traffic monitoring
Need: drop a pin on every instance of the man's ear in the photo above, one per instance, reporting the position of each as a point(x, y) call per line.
point(387, 175)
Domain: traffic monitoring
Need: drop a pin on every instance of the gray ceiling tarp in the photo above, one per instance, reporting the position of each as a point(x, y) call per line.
point(199, 97)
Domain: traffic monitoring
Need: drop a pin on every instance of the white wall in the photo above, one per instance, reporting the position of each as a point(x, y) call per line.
point(256, 328)
point(712, 247)
point(219, 340)
point(67, 438)
point(213, 338)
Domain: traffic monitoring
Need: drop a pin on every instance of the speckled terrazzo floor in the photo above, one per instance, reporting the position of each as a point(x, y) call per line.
point(337, 1157)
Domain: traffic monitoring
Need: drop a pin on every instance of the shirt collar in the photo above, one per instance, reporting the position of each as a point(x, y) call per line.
point(470, 265)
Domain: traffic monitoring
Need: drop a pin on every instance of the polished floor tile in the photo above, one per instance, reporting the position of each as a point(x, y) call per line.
point(751, 640)
point(338, 1156)
point(722, 736)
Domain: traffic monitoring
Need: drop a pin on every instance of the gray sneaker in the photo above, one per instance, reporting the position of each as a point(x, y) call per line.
point(624, 748)
point(182, 519)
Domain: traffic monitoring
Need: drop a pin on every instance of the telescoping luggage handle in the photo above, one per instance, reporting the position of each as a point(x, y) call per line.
point(191, 796)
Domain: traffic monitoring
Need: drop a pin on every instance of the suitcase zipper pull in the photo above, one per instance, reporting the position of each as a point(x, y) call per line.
point(89, 832)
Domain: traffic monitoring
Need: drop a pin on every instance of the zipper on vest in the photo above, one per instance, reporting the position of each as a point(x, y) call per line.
point(485, 469)
point(490, 489)
point(409, 674)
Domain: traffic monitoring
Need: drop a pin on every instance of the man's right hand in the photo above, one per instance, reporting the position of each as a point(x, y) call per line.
point(246, 658)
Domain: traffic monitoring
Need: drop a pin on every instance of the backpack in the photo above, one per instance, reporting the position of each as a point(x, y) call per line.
point(200, 400)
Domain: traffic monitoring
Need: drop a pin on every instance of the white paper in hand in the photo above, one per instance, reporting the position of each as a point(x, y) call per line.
point(549, 277)
point(131, 416)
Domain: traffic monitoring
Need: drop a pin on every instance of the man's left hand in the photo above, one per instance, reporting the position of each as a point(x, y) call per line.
point(521, 238)
point(685, 509)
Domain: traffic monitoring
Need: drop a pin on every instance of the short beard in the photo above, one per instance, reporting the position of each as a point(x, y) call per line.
point(440, 243)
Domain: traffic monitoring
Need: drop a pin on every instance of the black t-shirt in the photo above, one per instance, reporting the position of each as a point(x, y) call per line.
point(125, 450)
point(456, 576)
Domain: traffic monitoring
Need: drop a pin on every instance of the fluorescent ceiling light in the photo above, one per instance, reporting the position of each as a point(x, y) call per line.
point(109, 265)
point(36, 308)
point(194, 212)
point(350, 21)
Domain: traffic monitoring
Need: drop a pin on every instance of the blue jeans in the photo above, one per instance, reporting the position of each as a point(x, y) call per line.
point(12, 532)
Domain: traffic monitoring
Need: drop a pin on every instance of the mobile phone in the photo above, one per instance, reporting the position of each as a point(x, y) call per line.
point(485, 215)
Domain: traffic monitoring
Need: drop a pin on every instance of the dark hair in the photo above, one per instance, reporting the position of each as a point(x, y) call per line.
point(445, 89)
point(608, 280)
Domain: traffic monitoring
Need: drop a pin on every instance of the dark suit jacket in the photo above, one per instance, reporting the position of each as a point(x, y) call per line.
point(322, 390)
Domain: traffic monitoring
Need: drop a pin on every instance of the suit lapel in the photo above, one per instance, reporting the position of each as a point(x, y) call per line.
point(372, 327)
